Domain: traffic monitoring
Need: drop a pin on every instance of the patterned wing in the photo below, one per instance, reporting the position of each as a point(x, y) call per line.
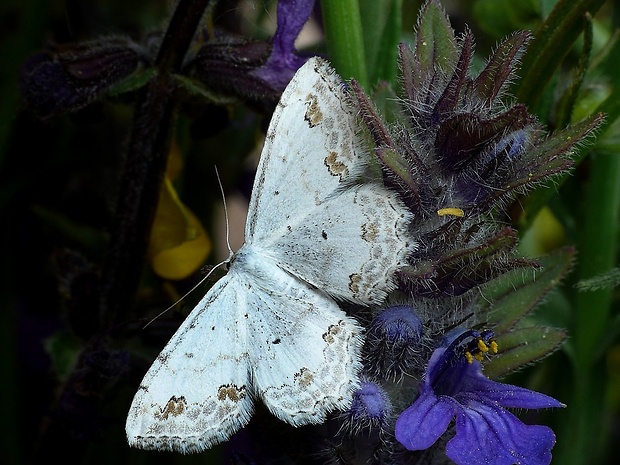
point(349, 245)
point(304, 350)
point(197, 392)
point(311, 150)
point(307, 214)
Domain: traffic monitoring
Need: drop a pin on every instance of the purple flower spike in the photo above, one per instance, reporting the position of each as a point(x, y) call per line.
point(284, 59)
point(454, 386)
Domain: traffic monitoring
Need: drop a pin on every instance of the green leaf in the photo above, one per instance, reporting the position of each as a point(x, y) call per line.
point(370, 117)
point(568, 99)
point(195, 88)
point(435, 43)
point(569, 140)
point(435, 52)
point(457, 271)
point(388, 104)
point(598, 246)
point(85, 235)
point(551, 43)
point(513, 295)
point(500, 67)
point(396, 165)
point(606, 280)
point(522, 347)
point(387, 57)
point(500, 17)
point(134, 81)
point(64, 349)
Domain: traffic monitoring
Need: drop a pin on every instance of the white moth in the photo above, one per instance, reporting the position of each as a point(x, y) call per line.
point(271, 328)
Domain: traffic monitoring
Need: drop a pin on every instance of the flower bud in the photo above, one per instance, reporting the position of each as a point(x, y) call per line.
point(65, 78)
point(393, 339)
point(371, 407)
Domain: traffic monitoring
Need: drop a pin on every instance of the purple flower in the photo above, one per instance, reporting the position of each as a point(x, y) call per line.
point(486, 433)
point(398, 325)
point(371, 406)
point(257, 71)
point(284, 60)
point(393, 342)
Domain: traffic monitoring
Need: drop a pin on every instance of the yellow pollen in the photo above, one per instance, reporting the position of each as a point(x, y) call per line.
point(451, 211)
point(482, 346)
point(494, 347)
point(469, 357)
point(478, 356)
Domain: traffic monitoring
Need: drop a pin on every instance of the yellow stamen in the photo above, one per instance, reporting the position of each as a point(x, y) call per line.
point(494, 347)
point(478, 356)
point(482, 346)
point(469, 357)
point(451, 211)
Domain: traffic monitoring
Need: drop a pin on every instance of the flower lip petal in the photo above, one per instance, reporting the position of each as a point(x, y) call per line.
point(292, 15)
point(510, 396)
point(284, 60)
point(419, 426)
point(490, 434)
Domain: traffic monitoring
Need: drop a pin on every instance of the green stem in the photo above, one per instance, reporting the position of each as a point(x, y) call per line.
point(567, 103)
point(387, 61)
point(598, 254)
point(345, 43)
point(580, 441)
point(580, 438)
point(382, 27)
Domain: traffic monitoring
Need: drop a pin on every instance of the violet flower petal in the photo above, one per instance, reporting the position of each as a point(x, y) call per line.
point(506, 395)
point(284, 61)
point(292, 15)
point(419, 426)
point(491, 435)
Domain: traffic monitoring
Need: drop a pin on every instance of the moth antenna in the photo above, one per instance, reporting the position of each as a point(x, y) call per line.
point(188, 292)
point(230, 255)
point(219, 181)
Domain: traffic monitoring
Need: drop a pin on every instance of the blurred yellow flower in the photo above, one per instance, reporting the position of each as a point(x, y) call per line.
point(179, 244)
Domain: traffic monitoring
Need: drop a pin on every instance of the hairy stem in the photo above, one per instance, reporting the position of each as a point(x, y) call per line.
point(147, 154)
